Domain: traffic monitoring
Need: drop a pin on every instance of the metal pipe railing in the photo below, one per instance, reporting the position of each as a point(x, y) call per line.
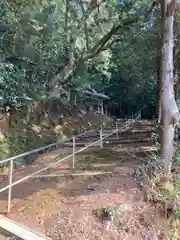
point(14, 158)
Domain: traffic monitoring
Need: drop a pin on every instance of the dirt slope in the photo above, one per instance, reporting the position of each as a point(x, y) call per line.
point(73, 207)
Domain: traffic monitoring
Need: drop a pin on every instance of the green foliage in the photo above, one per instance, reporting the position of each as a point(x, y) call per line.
point(42, 123)
point(177, 157)
point(42, 42)
point(37, 39)
point(177, 153)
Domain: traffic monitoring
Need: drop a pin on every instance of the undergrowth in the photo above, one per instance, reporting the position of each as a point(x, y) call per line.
point(164, 192)
point(39, 124)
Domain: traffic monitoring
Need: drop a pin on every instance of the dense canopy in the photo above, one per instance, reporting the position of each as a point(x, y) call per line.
point(49, 47)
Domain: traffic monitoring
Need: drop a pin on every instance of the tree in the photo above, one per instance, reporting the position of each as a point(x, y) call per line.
point(47, 42)
point(170, 114)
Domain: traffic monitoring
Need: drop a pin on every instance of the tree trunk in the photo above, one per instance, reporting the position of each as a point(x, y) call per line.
point(158, 87)
point(170, 113)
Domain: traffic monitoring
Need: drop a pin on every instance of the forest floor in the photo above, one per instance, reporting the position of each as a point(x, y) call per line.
point(109, 206)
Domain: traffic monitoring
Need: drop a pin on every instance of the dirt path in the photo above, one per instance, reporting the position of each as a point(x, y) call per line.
point(73, 208)
point(68, 208)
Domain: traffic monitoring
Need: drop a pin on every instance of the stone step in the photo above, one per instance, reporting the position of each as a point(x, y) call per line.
point(121, 134)
point(114, 137)
point(115, 142)
point(111, 142)
point(135, 127)
point(144, 124)
point(78, 144)
point(130, 131)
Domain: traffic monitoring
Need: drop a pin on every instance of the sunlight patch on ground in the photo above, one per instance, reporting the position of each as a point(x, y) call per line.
point(103, 165)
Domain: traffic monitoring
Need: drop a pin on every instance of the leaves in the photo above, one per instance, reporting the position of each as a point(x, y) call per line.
point(54, 45)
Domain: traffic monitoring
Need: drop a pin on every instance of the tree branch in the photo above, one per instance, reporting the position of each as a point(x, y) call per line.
point(101, 45)
point(66, 71)
point(92, 6)
point(64, 75)
point(150, 10)
point(69, 68)
point(85, 26)
point(87, 13)
point(111, 44)
point(66, 20)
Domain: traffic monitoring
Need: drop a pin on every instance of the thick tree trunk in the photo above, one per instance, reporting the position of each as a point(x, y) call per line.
point(170, 113)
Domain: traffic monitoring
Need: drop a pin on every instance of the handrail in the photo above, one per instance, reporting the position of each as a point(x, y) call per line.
point(12, 159)
point(42, 148)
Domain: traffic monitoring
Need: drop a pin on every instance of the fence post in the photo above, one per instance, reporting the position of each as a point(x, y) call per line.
point(74, 150)
point(116, 129)
point(10, 187)
point(101, 137)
